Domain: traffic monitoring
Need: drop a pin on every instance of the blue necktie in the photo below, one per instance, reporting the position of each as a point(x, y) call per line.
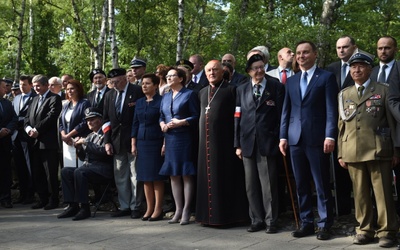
point(303, 84)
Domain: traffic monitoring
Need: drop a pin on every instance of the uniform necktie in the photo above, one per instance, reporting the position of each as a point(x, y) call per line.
point(257, 92)
point(118, 103)
point(303, 84)
point(382, 76)
point(284, 76)
point(343, 74)
point(360, 91)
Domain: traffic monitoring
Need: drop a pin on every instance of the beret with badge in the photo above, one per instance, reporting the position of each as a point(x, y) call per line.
point(116, 72)
point(95, 72)
point(254, 58)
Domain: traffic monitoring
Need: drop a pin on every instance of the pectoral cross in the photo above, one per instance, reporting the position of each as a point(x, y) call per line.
point(207, 108)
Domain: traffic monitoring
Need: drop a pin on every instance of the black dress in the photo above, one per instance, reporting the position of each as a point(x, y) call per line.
point(221, 193)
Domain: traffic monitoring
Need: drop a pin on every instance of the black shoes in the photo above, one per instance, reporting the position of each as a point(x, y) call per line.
point(71, 211)
point(136, 214)
point(6, 204)
point(323, 234)
point(160, 217)
point(272, 229)
point(121, 213)
point(84, 213)
point(386, 242)
point(256, 227)
point(362, 239)
point(304, 231)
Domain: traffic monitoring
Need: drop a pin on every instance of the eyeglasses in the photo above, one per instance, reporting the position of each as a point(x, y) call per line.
point(257, 68)
point(168, 76)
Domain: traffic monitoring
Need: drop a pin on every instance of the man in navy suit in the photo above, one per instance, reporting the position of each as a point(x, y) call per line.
point(22, 142)
point(258, 109)
point(345, 48)
point(119, 108)
point(309, 127)
point(8, 122)
point(41, 125)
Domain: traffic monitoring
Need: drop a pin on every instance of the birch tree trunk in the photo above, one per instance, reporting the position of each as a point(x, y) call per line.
point(328, 9)
point(20, 40)
point(179, 44)
point(99, 57)
point(114, 46)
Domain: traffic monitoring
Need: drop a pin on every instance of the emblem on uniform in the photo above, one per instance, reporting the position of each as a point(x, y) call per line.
point(375, 97)
point(270, 103)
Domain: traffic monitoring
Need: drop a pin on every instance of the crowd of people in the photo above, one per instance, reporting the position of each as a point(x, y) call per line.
point(221, 139)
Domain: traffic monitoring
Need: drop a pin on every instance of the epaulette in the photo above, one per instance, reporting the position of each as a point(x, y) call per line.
point(347, 88)
point(383, 83)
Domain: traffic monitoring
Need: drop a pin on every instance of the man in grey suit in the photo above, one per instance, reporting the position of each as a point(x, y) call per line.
point(97, 168)
point(41, 125)
point(284, 70)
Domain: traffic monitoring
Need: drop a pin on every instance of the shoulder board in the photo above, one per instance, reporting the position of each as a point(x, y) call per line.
point(383, 83)
point(347, 88)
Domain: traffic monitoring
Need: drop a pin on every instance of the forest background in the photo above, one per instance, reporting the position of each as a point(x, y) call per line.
point(55, 37)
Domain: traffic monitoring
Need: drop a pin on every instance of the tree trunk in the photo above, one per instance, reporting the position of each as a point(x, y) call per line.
point(328, 9)
point(114, 46)
point(179, 44)
point(20, 40)
point(98, 63)
point(242, 14)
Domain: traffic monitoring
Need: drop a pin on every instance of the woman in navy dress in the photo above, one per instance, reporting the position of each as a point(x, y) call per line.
point(179, 117)
point(147, 146)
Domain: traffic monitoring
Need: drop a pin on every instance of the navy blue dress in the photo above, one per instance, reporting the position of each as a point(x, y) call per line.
point(179, 158)
point(149, 139)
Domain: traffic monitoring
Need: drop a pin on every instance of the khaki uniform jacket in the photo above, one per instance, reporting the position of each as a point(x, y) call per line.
point(366, 126)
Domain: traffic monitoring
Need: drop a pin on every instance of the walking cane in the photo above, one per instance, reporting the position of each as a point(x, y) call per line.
point(290, 191)
point(332, 163)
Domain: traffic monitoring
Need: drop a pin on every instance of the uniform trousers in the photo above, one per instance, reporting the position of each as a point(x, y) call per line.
point(378, 176)
point(261, 187)
point(130, 191)
point(75, 183)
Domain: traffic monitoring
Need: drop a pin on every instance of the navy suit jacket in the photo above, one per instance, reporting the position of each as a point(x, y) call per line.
point(314, 117)
point(45, 120)
point(258, 122)
point(8, 119)
point(336, 69)
point(146, 124)
point(237, 79)
point(78, 121)
point(121, 127)
point(394, 75)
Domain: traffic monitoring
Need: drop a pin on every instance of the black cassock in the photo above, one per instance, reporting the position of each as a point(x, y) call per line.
point(221, 193)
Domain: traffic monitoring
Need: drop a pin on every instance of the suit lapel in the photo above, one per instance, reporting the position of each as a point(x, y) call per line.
point(265, 94)
point(249, 94)
point(313, 81)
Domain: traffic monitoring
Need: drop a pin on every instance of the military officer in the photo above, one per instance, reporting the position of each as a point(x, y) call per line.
point(366, 149)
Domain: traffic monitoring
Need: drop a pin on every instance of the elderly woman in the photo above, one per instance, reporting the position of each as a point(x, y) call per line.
point(179, 117)
point(147, 146)
point(72, 118)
